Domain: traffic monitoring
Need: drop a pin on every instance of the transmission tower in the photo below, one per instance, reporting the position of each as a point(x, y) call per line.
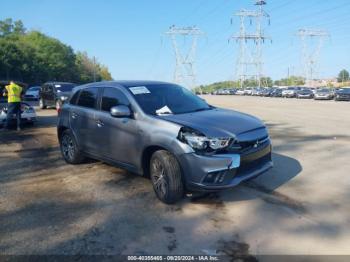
point(311, 45)
point(250, 61)
point(184, 68)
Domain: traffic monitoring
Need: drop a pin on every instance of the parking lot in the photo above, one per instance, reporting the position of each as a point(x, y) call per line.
point(301, 206)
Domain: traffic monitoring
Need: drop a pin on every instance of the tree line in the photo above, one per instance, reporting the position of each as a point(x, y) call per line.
point(34, 58)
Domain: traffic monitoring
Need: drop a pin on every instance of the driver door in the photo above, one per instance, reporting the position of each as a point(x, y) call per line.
point(119, 137)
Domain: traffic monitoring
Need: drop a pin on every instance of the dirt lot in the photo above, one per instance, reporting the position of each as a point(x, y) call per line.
point(300, 207)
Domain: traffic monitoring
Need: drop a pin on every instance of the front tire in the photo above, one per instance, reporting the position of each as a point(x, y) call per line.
point(69, 148)
point(42, 104)
point(166, 177)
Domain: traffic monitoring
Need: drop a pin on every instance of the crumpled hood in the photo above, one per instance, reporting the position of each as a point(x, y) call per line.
point(221, 123)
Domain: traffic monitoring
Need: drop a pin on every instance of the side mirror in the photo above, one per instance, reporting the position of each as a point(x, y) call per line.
point(120, 111)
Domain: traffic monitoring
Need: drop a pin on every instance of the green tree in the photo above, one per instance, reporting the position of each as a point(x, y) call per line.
point(6, 27)
point(105, 74)
point(291, 81)
point(34, 58)
point(343, 76)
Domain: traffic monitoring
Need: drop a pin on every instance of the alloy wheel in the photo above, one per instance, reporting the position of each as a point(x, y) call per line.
point(158, 178)
point(68, 148)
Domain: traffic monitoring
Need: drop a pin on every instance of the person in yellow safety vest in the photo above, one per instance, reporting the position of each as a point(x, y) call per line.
point(13, 92)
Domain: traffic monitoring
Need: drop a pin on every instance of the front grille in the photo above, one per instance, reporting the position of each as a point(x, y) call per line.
point(243, 147)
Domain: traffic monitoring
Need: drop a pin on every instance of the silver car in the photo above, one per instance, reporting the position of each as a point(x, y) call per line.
point(165, 132)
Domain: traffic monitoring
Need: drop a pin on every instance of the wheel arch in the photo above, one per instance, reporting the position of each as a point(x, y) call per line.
point(146, 157)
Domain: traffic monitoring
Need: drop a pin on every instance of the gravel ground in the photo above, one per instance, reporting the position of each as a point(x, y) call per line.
point(299, 207)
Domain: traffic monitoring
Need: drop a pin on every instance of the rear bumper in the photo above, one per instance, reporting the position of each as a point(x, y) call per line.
point(227, 170)
point(25, 119)
point(342, 98)
point(305, 96)
point(323, 98)
point(288, 95)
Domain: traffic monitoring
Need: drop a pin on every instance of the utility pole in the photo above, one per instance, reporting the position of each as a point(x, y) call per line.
point(185, 61)
point(310, 54)
point(252, 57)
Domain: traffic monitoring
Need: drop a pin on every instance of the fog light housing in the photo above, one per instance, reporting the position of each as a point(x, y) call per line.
point(215, 177)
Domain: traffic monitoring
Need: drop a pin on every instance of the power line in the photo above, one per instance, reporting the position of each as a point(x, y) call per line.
point(251, 58)
point(310, 56)
point(184, 68)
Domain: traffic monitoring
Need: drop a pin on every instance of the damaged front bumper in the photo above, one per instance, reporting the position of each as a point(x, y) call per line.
point(222, 171)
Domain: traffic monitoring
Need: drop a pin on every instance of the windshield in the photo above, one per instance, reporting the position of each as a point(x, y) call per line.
point(323, 91)
point(64, 87)
point(163, 99)
point(34, 88)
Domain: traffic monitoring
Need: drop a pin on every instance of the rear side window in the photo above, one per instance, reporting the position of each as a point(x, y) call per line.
point(88, 97)
point(113, 97)
point(74, 99)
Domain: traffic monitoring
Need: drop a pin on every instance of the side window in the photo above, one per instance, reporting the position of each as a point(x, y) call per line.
point(88, 97)
point(74, 99)
point(49, 88)
point(113, 97)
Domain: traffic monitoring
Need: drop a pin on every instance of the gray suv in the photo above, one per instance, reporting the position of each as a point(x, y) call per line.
point(165, 132)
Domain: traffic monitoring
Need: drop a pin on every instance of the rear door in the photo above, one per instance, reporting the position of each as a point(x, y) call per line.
point(82, 119)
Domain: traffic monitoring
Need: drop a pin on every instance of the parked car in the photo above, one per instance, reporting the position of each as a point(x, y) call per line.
point(342, 94)
point(305, 93)
point(28, 115)
point(32, 93)
point(266, 92)
point(232, 91)
point(240, 92)
point(53, 94)
point(290, 92)
point(163, 131)
point(248, 91)
point(254, 92)
point(324, 94)
point(276, 93)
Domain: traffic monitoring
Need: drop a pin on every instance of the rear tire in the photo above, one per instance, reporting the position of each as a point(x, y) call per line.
point(69, 148)
point(42, 104)
point(166, 177)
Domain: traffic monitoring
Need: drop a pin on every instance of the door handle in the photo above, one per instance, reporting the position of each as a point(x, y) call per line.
point(99, 123)
point(74, 115)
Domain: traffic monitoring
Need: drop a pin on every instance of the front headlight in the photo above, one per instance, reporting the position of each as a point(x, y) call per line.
point(64, 98)
point(200, 142)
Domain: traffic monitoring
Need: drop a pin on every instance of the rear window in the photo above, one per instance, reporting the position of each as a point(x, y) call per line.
point(88, 97)
point(35, 88)
point(64, 87)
